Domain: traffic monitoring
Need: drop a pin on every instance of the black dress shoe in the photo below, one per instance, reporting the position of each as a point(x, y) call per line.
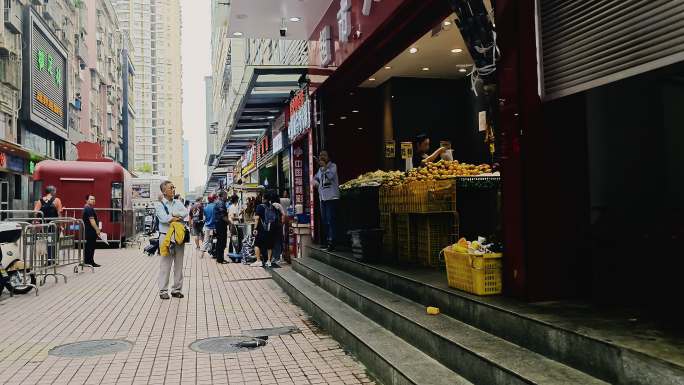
point(222, 262)
point(177, 295)
point(164, 296)
point(94, 264)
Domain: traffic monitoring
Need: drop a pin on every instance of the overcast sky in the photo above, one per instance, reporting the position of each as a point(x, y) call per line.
point(196, 51)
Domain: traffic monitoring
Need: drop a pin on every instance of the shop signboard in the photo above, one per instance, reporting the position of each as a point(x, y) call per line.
point(16, 164)
point(406, 150)
point(277, 142)
point(390, 149)
point(141, 191)
point(300, 114)
point(298, 173)
point(229, 179)
point(339, 33)
point(249, 163)
point(45, 68)
point(3, 160)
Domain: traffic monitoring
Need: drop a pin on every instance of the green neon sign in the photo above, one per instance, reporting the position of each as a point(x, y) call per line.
point(45, 62)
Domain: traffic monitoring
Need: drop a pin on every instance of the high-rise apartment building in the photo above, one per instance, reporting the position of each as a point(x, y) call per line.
point(154, 27)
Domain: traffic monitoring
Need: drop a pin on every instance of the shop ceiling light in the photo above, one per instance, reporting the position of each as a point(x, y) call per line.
point(237, 33)
point(360, 128)
point(295, 19)
point(447, 23)
point(413, 50)
point(343, 117)
point(456, 50)
point(425, 69)
point(331, 124)
point(355, 111)
point(462, 70)
point(388, 67)
point(372, 79)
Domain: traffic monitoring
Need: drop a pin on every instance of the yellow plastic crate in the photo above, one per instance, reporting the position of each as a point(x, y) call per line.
point(476, 274)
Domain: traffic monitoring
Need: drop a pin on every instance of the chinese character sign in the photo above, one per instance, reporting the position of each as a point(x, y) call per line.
point(46, 95)
point(300, 114)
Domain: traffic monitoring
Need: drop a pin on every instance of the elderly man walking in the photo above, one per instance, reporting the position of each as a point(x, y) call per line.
point(170, 210)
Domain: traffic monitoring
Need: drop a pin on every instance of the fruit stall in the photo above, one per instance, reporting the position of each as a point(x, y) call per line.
point(417, 214)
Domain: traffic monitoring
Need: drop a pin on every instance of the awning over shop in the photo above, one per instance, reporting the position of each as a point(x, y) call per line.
point(265, 97)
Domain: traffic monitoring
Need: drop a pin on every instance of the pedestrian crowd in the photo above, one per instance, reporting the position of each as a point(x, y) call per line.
point(217, 225)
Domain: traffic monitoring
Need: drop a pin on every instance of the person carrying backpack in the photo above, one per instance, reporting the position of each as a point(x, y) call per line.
point(51, 208)
point(49, 204)
point(197, 222)
point(268, 221)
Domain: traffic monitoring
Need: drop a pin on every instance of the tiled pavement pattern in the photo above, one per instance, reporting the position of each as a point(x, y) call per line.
point(120, 301)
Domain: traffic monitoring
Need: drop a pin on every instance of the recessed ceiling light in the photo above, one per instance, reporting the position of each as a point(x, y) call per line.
point(360, 128)
point(462, 70)
point(237, 33)
point(355, 111)
point(372, 79)
point(331, 124)
point(295, 19)
point(456, 50)
point(425, 69)
point(447, 23)
point(343, 117)
point(413, 50)
point(388, 67)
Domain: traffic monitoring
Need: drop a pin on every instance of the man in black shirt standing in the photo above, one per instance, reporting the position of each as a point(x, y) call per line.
point(221, 222)
point(91, 231)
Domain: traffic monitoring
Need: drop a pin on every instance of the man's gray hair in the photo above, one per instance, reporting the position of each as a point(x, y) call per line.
point(163, 184)
point(50, 190)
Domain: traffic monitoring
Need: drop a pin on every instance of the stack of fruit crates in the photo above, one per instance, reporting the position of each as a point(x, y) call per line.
point(433, 233)
point(389, 244)
point(406, 251)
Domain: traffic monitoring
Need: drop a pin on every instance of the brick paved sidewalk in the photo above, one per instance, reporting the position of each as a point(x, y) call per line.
point(121, 301)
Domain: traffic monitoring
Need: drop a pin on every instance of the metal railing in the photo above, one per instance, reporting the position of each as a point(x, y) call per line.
point(47, 244)
point(122, 223)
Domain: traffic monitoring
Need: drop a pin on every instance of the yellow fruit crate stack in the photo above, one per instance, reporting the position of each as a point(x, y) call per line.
point(433, 233)
point(389, 244)
point(477, 274)
point(406, 251)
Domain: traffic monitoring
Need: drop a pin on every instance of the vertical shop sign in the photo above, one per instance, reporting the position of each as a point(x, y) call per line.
point(311, 190)
point(406, 150)
point(325, 46)
point(344, 20)
point(298, 173)
point(3, 160)
point(390, 149)
point(277, 142)
point(300, 114)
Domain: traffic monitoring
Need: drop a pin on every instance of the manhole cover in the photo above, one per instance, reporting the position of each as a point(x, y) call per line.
point(90, 348)
point(221, 345)
point(269, 332)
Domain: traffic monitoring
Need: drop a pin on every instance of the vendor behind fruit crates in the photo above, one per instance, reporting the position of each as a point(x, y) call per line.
point(420, 155)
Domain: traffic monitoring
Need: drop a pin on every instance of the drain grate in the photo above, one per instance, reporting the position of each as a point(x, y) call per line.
point(270, 332)
point(223, 345)
point(90, 348)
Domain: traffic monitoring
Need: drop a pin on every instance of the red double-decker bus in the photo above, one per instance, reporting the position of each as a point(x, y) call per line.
point(107, 180)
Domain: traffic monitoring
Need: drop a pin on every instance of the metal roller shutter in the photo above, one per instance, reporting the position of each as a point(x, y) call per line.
point(585, 44)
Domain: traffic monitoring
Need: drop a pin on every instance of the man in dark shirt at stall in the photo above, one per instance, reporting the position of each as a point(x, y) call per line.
point(221, 223)
point(420, 154)
point(92, 230)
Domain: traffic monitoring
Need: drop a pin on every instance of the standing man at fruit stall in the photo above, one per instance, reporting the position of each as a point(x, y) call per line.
point(328, 185)
point(420, 155)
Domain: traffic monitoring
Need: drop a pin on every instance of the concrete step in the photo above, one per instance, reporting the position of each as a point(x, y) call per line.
point(570, 346)
point(388, 358)
point(478, 356)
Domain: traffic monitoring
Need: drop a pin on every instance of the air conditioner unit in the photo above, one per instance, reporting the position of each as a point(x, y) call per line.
point(13, 19)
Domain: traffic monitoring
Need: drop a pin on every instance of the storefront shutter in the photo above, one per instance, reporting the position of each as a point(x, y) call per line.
point(585, 44)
